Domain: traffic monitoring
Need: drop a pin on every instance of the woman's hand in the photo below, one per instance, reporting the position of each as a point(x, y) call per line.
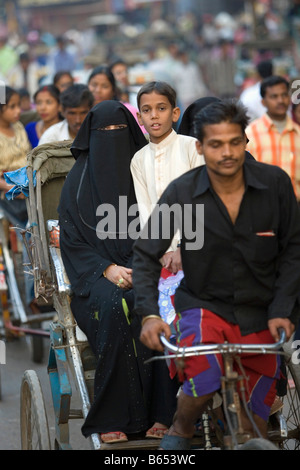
point(119, 275)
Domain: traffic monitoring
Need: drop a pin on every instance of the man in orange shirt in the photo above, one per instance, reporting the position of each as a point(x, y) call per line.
point(275, 138)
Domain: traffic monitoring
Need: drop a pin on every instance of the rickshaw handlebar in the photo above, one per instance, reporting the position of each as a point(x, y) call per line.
point(231, 348)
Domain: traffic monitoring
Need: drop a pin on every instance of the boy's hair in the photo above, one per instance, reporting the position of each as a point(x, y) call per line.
point(76, 95)
point(159, 87)
point(272, 81)
point(226, 110)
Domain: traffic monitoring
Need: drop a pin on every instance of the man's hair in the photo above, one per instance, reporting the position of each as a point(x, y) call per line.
point(272, 81)
point(159, 87)
point(76, 95)
point(226, 110)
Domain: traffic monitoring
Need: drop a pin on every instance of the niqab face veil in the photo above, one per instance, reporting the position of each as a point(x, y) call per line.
point(103, 172)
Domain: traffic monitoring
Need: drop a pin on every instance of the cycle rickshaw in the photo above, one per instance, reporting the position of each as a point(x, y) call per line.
point(70, 354)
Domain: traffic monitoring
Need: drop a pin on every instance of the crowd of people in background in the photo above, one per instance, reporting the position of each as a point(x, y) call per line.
point(57, 81)
point(50, 99)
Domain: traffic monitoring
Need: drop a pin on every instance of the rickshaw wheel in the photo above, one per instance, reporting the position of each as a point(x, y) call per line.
point(33, 417)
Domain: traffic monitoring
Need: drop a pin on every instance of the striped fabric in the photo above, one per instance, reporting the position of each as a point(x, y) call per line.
point(268, 145)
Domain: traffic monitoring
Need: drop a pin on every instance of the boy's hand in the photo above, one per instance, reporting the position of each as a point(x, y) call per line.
point(167, 260)
point(176, 262)
point(172, 261)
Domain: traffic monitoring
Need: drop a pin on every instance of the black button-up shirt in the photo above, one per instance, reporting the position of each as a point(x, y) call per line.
point(247, 272)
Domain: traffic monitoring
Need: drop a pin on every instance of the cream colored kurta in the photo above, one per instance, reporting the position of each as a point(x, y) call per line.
point(13, 150)
point(156, 165)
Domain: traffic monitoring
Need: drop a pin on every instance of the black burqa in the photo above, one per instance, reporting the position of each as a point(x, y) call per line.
point(186, 125)
point(187, 122)
point(125, 388)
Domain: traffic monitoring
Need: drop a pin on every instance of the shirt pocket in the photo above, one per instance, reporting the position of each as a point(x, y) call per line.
point(265, 247)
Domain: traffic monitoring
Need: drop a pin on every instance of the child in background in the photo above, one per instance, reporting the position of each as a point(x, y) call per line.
point(25, 100)
point(14, 146)
point(14, 143)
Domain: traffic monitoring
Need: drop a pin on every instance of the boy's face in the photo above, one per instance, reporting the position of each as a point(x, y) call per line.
point(75, 117)
point(157, 116)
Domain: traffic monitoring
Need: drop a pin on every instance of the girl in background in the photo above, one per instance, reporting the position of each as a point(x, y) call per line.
point(14, 146)
point(14, 143)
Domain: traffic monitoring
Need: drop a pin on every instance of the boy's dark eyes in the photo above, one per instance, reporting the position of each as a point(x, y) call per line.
point(161, 108)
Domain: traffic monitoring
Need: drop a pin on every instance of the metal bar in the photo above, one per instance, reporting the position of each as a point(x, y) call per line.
point(225, 348)
point(15, 297)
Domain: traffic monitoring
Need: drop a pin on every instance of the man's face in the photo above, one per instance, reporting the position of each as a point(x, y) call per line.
point(277, 101)
point(223, 148)
point(75, 117)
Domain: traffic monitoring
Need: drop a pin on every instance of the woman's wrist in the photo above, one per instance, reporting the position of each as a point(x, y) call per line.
point(104, 272)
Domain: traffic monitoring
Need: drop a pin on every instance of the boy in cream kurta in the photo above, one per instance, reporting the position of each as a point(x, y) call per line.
point(167, 156)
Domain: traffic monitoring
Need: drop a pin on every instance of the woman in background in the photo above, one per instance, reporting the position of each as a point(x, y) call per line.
point(47, 105)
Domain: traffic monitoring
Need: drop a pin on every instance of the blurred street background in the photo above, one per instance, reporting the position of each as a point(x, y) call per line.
point(153, 37)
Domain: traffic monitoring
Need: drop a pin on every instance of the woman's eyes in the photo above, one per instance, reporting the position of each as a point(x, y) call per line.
point(112, 127)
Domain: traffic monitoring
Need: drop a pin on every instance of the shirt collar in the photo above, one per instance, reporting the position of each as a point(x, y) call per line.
point(164, 143)
point(203, 183)
point(290, 124)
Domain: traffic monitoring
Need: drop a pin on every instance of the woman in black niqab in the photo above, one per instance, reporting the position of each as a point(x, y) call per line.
point(125, 388)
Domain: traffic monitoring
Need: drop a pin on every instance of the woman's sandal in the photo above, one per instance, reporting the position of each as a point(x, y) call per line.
point(156, 432)
point(107, 437)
